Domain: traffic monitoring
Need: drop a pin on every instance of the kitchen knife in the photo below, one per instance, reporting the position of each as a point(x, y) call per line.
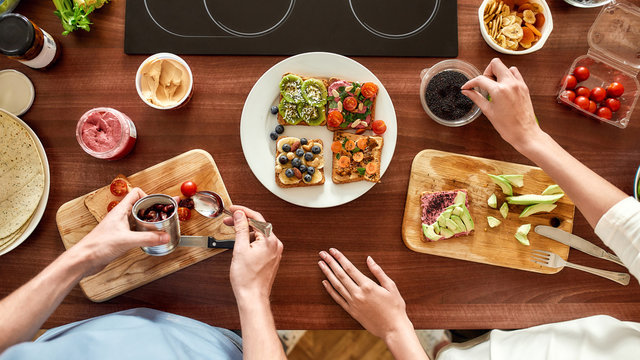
point(206, 242)
point(576, 242)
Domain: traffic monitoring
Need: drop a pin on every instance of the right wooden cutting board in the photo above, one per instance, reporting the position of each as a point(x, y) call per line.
point(434, 170)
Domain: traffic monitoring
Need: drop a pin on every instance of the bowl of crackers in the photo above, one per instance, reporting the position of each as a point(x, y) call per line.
point(515, 27)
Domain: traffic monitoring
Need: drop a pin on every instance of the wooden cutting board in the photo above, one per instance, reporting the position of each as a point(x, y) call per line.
point(136, 268)
point(434, 170)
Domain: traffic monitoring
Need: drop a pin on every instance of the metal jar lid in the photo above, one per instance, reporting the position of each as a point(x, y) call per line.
point(16, 34)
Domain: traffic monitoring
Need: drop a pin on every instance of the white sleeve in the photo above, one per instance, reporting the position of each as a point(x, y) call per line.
point(619, 229)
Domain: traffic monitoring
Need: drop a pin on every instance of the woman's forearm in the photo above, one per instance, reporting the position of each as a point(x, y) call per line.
point(259, 337)
point(404, 344)
point(24, 311)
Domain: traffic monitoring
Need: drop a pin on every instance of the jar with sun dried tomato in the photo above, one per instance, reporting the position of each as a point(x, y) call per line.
point(22, 40)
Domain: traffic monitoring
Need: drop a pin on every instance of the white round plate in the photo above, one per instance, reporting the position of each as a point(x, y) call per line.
point(257, 123)
point(37, 215)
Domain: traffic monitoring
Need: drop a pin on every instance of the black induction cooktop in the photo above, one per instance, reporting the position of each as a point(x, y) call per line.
point(287, 27)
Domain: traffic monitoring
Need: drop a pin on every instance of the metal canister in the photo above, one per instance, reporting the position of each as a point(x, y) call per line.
point(170, 225)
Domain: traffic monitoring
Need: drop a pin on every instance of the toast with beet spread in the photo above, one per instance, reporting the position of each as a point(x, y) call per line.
point(299, 162)
point(356, 157)
point(303, 100)
point(355, 102)
point(445, 214)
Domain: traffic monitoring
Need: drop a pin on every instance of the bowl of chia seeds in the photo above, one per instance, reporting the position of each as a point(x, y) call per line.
point(587, 3)
point(440, 93)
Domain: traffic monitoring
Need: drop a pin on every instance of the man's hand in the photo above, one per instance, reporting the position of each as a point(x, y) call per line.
point(112, 237)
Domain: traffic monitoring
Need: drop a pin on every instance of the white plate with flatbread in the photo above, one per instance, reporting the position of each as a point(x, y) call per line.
point(257, 123)
point(24, 175)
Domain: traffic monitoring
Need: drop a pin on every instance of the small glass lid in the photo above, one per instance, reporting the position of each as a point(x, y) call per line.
point(616, 34)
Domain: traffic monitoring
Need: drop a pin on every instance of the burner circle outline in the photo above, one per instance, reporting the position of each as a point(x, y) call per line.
point(253, 34)
point(396, 36)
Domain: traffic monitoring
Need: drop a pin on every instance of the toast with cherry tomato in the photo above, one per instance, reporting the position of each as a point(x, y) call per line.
point(303, 100)
point(351, 105)
point(101, 201)
point(299, 162)
point(356, 157)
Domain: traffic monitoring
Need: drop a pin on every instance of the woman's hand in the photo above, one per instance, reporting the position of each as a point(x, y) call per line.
point(254, 264)
point(378, 308)
point(112, 237)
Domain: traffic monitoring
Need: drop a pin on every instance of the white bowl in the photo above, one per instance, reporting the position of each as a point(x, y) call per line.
point(546, 31)
point(171, 56)
point(590, 4)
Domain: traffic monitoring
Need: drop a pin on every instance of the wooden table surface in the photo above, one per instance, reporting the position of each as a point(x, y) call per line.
point(440, 292)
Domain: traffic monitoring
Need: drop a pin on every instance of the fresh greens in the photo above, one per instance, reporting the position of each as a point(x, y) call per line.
point(75, 13)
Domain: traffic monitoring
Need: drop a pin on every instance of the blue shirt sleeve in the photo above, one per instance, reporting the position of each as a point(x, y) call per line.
point(132, 334)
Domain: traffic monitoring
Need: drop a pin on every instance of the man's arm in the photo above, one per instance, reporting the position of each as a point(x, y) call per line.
point(26, 309)
point(253, 270)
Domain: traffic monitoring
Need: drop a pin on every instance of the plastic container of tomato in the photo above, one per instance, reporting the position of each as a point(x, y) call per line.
point(613, 56)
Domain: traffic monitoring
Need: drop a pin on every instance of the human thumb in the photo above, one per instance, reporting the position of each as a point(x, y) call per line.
point(241, 226)
point(149, 238)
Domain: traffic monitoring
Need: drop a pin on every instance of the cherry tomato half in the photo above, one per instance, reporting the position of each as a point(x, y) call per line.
point(335, 118)
point(581, 73)
point(582, 102)
point(613, 104)
point(112, 205)
point(369, 90)
point(189, 188)
point(583, 91)
point(350, 103)
point(604, 112)
point(598, 94)
point(184, 214)
point(569, 95)
point(379, 127)
point(592, 107)
point(569, 82)
point(615, 89)
point(119, 187)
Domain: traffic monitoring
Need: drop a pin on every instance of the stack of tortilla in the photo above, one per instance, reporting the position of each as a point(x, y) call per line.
point(21, 179)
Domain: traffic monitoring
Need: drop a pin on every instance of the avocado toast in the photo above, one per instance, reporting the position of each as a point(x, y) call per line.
point(302, 100)
point(356, 157)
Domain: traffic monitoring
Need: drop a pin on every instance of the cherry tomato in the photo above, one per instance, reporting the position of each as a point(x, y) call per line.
point(335, 118)
point(569, 95)
point(613, 104)
point(119, 187)
point(350, 103)
point(189, 188)
point(583, 91)
point(581, 73)
point(569, 82)
point(604, 112)
point(582, 102)
point(615, 89)
point(184, 214)
point(361, 131)
point(112, 205)
point(369, 90)
point(598, 94)
point(592, 107)
point(379, 127)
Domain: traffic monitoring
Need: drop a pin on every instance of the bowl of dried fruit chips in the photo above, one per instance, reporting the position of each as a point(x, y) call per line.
point(515, 27)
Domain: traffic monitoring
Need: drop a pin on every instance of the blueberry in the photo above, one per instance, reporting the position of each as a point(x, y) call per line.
point(283, 159)
point(286, 147)
point(274, 109)
point(315, 149)
point(307, 178)
point(311, 170)
point(273, 135)
point(296, 162)
point(289, 173)
point(303, 168)
point(299, 152)
point(308, 156)
point(279, 129)
point(304, 141)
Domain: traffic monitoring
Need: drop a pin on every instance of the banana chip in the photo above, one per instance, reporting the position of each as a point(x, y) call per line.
point(525, 45)
point(529, 17)
point(513, 32)
point(537, 8)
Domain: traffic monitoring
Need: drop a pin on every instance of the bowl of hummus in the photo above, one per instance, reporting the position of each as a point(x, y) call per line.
point(164, 81)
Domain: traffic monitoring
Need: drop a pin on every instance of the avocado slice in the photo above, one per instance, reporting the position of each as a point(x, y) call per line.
point(537, 208)
point(493, 222)
point(314, 92)
point(531, 199)
point(458, 210)
point(461, 198)
point(522, 239)
point(444, 216)
point(492, 201)
point(446, 233)
point(552, 189)
point(291, 88)
point(436, 227)
point(289, 112)
point(461, 227)
point(429, 233)
point(521, 234)
point(466, 219)
point(503, 183)
point(451, 225)
point(312, 115)
point(504, 210)
point(514, 180)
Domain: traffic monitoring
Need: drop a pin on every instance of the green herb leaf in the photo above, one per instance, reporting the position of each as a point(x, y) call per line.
point(338, 156)
point(361, 170)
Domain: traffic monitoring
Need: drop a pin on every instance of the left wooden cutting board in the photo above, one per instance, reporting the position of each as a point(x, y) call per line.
point(136, 268)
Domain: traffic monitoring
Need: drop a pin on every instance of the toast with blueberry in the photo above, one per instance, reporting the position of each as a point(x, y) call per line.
point(299, 162)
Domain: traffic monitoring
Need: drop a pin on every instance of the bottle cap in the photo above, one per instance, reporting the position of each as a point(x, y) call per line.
point(16, 34)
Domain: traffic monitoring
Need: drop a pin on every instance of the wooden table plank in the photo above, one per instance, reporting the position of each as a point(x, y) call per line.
point(440, 292)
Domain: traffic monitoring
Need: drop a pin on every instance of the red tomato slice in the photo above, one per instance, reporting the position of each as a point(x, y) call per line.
point(112, 205)
point(184, 214)
point(335, 118)
point(119, 187)
point(379, 127)
point(350, 103)
point(189, 188)
point(369, 90)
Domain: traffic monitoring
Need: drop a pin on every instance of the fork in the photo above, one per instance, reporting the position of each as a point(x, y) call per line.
point(549, 259)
